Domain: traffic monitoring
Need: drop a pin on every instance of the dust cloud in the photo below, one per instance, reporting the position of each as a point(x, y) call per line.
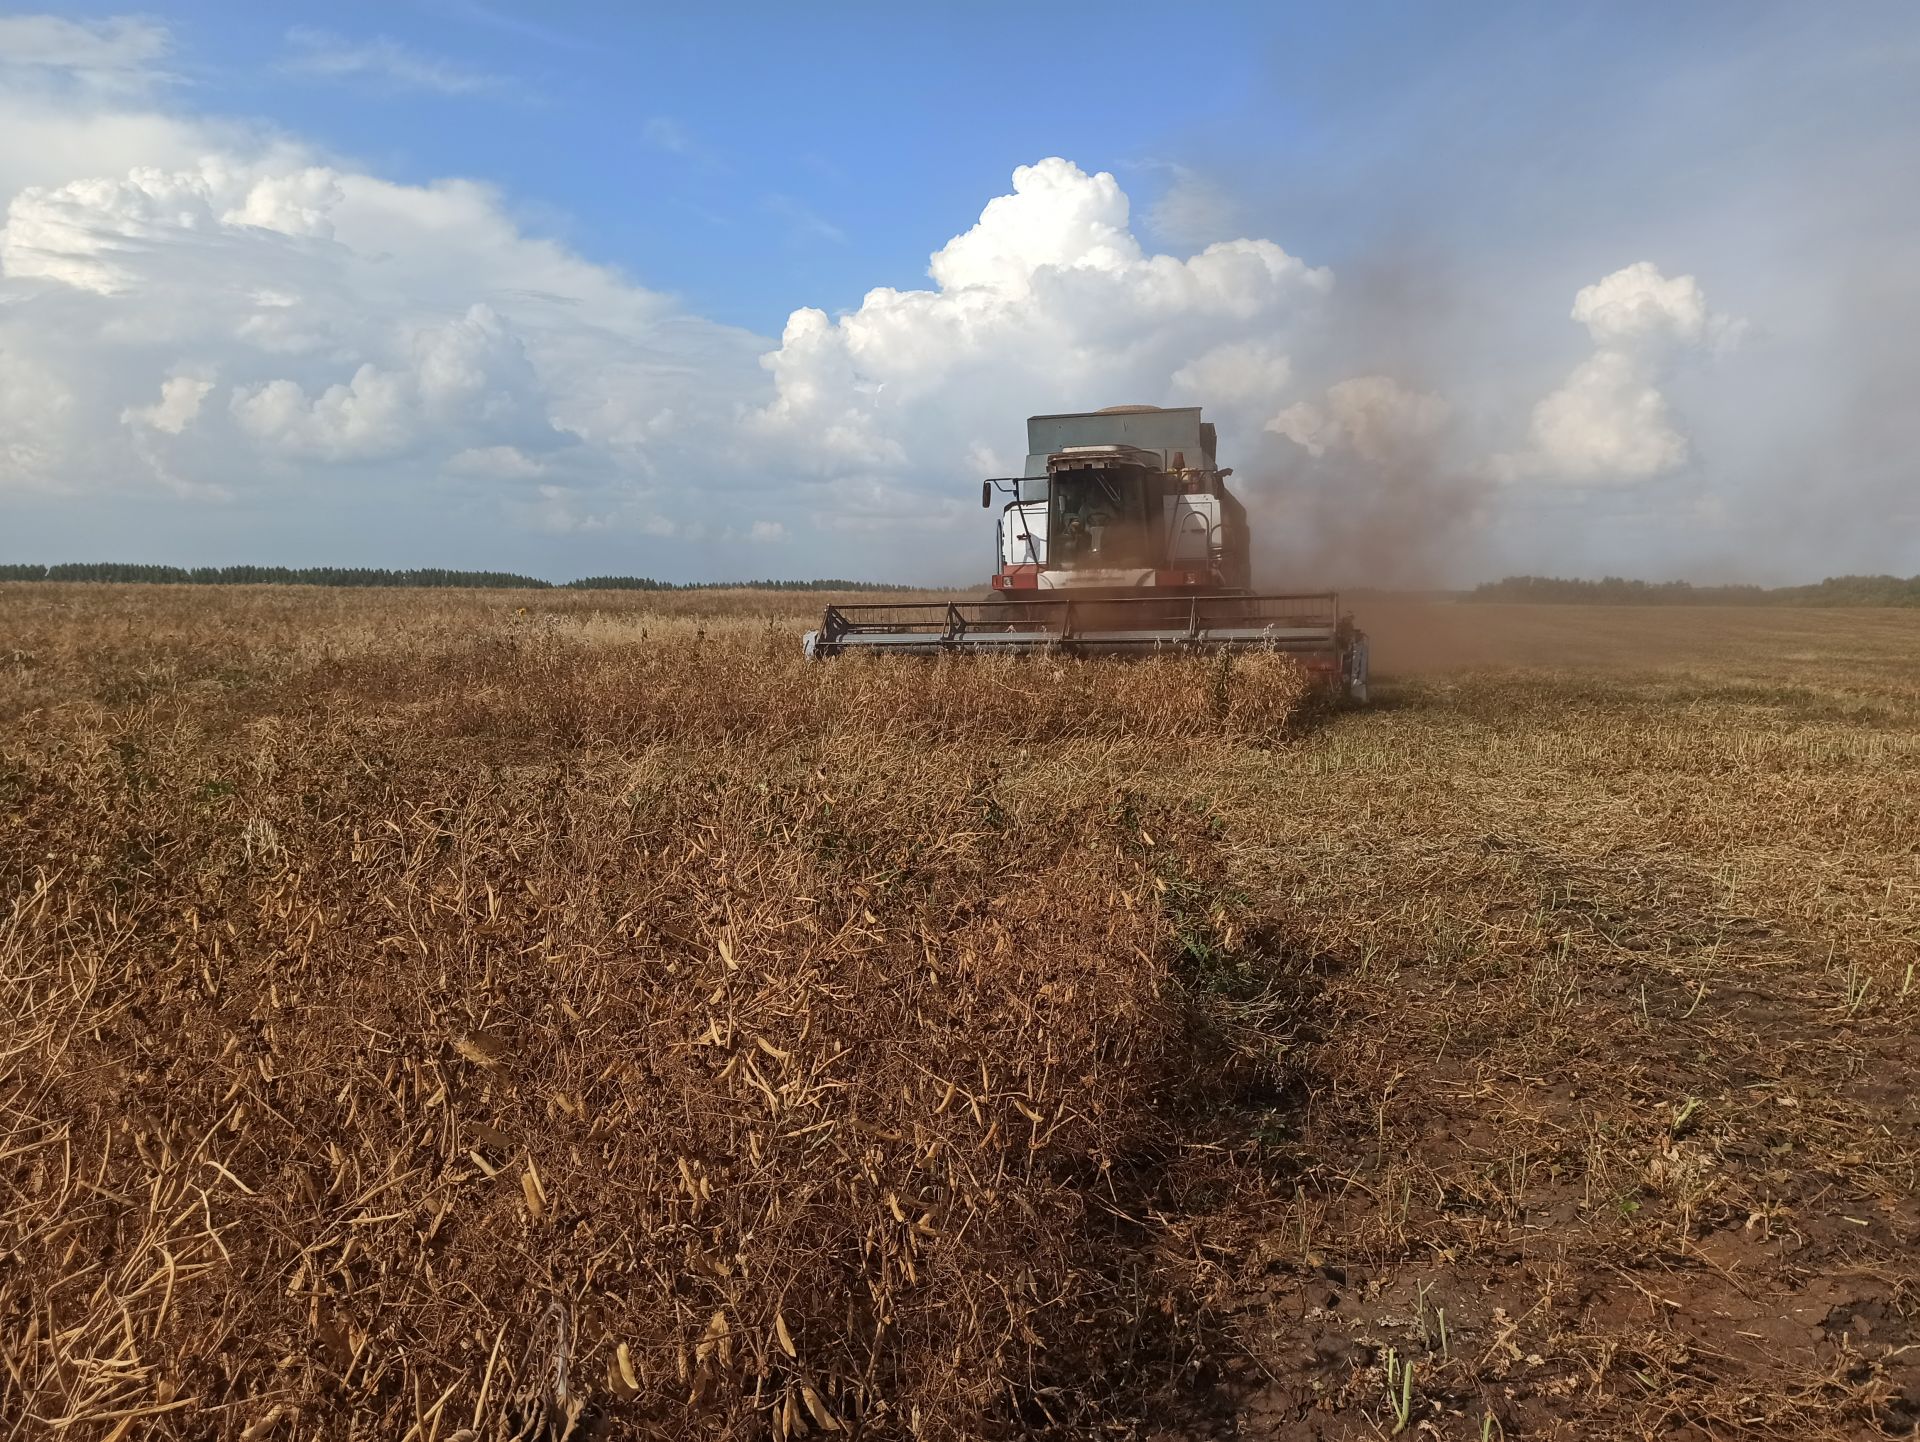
point(1373, 481)
point(1404, 518)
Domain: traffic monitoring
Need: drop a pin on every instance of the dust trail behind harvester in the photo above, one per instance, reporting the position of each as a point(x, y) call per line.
point(1373, 482)
point(1399, 516)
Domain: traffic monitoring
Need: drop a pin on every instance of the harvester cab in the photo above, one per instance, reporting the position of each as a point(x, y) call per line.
point(1120, 537)
point(1118, 519)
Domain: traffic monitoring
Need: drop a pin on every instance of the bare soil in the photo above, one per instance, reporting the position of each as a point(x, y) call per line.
point(1614, 919)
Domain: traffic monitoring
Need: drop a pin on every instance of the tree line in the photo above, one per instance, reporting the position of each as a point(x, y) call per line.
point(117, 571)
point(1618, 591)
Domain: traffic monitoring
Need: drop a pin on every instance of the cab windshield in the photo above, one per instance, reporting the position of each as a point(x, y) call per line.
point(1098, 518)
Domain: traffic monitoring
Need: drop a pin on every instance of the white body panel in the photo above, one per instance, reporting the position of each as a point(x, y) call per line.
point(1193, 528)
point(1023, 534)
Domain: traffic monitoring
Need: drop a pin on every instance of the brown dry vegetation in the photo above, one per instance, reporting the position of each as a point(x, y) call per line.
point(441, 1013)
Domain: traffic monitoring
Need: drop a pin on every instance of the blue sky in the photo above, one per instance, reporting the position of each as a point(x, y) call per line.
point(804, 154)
point(747, 163)
point(788, 154)
point(1578, 288)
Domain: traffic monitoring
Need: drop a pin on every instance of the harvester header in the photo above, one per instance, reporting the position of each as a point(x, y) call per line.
point(1119, 538)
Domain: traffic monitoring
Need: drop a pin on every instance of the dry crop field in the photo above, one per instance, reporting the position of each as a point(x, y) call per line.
point(439, 1015)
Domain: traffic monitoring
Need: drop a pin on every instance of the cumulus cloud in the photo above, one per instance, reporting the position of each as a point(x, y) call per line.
point(35, 412)
point(417, 332)
point(367, 416)
point(466, 378)
point(179, 404)
point(210, 312)
point(113, 235)
point(557, 510)
point(352, 321)
point(414, 336)
point(1237, 373)
point(1374, 417)
point(1048, 302)
point(1609, 422)
point(1638, 304)
point(1058, 217)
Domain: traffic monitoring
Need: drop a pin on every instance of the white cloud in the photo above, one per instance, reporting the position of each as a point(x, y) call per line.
point(495, 463)
point(367, 416)
point(417, 332)
point(1610, 422)
point(414, 337)
point(383, 62)
point(35, 411)
point(1637, 303)
point(178, 406)
point(353, 321)
point(298, 202)
point(112, 235)
point(1058, 216)
point(1638, 307)
point(880, 508)
point(118, 52)
point(462, 377)
point(1373, 417)
point(1240, 372)
point(1048, 302)
point(556, 510)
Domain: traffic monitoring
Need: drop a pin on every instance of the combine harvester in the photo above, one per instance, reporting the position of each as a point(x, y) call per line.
point(1121, 539)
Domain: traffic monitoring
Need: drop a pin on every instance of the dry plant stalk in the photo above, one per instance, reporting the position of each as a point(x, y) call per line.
point(522, 1026)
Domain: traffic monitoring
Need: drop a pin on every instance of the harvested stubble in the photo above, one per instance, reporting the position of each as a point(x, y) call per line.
point(497, 1034)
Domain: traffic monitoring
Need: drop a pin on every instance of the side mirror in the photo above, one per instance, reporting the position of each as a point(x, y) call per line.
point(986, 494)
point(1227, 472)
